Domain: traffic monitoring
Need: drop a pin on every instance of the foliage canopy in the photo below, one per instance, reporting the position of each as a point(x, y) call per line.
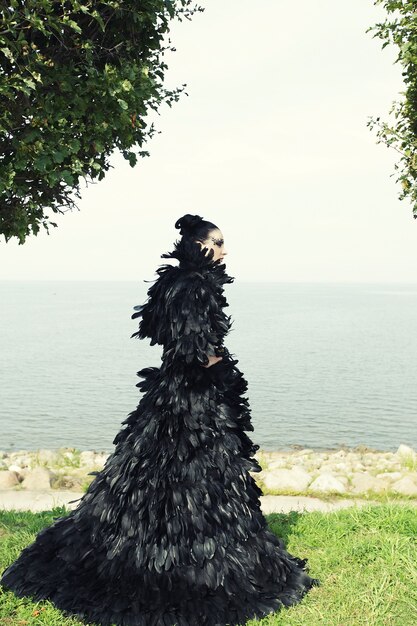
point(77, 78)
point(401, 31)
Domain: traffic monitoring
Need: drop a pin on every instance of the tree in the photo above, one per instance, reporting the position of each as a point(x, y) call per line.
point(77, 79)
point(401, 134)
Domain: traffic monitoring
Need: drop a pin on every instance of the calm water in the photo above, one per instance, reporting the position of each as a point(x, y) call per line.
point(327, 364)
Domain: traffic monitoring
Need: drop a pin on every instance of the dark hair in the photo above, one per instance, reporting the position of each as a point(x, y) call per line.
point(194, 226)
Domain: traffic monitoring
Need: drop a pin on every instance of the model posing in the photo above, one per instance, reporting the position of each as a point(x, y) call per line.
point(170, 532)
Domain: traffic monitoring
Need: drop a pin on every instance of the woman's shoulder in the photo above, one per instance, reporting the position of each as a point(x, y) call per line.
point(173, 282)
point(173, 278)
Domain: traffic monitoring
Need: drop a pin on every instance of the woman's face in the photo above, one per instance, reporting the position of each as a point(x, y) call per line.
point(215, 241)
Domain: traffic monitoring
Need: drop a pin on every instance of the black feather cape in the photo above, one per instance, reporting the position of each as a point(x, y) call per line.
point(170, 532)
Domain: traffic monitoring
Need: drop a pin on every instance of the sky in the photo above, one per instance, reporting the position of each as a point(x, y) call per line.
point(271, 145)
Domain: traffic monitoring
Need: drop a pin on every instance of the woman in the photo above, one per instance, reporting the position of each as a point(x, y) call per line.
point(170, 532)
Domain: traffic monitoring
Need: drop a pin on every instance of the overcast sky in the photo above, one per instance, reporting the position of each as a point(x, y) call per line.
point(271, 145)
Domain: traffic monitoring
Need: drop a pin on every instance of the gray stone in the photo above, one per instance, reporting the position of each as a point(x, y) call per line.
point(276, 464)
point(101, 459)
point(47, 457)
point(295, 479)
point(327, 483)
point(16, 469)
point(66, 482)
point(361, 483)
point(17, 453)
point(38, 478)
point(87, 458)
point(341, 467)
point(340, 454)
point(390, 475)
point(24, 461)
point(8, 479)
point(404, 450)
point(343, 479)
point(406, 486)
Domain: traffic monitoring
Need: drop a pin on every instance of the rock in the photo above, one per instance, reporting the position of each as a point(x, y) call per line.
point(16, 469)
point(24, 461)
point(406, 486)
point(361, 483)
point(361, 449)
point(382, 465)
point(369, 458)
point(327, 483)
point(352, 456)
point(359, 466)
point(87, 458)
point(341, 467)
point(8, 479)
point(101, 459)
point(295, 479)
point(302, 452)
point(38, 478)
point(343, 479)
point(404, 450)
point(390, 475)
point(313, 464)
point(276, 464)
point(66, 482)
point(47, 457)
point(341, 454)
point(16, 454)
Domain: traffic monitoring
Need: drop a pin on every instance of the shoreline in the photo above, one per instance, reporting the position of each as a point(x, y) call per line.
point(347, 472)
point(285, 450)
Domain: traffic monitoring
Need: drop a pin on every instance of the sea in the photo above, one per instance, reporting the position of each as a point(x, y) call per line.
point(328, 365)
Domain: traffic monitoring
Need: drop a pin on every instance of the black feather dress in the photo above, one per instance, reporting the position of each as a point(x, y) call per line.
point(170, 532)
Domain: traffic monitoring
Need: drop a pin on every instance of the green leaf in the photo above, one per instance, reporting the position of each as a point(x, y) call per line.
point(74, 26)
point(74, 144)
point(122, 103)
point(29, 82)
point(58, 156)
point(42, 162)
point(127, 85)
point(8, 53)
point(132, 158)
point(67, 177)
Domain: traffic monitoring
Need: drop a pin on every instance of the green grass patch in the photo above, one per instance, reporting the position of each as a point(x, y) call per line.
point(364, 557)
point(64, 458)
point(409, 462)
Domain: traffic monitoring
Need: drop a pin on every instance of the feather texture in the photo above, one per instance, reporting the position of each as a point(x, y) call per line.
point(171, 532)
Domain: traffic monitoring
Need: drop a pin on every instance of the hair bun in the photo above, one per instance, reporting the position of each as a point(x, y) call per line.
point(187, 223)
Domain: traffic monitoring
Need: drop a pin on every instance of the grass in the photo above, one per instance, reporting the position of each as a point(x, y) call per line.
point(365, 558)
point(62, 461)
point(409, 461)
